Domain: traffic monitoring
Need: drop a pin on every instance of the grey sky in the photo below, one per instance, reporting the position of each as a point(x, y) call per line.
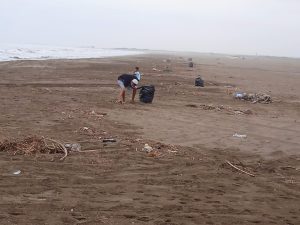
point(269, 27)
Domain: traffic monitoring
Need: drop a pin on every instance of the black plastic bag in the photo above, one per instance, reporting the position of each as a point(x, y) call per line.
point(199, 82)
point(147, 93)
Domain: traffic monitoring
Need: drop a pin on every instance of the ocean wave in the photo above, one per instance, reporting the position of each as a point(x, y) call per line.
point(10, 53)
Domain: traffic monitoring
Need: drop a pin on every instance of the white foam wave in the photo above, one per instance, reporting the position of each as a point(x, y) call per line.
point(32, 52)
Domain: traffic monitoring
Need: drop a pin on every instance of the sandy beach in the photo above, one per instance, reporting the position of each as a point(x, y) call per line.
point(187, 179)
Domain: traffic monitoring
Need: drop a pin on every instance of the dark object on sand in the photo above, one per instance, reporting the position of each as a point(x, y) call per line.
point(191, 64)
point(190, 59)
point(199, 82)
point(147, 94)
point(109, 140)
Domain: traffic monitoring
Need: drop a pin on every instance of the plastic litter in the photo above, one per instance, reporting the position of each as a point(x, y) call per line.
point(109, 140)
point(199, 82)
point(239, 95)
point(239, 135)
point(147, 148)
point(73, 147)
point(254, 98)
point(17, 172)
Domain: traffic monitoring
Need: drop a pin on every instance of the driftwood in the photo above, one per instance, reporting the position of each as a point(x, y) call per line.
point(61, 146)
point(235, 167)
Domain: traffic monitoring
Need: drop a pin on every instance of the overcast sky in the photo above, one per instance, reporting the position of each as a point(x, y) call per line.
point(265, 27)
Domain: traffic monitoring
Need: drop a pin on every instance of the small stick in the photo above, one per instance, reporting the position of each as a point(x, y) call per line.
point(94, 150)
point(250, 174)
point(62, 147)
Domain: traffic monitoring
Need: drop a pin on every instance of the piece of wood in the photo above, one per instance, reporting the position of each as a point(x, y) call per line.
point(235, 167)
point(61, 146)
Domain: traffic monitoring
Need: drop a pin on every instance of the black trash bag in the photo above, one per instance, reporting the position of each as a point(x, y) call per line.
point(147, 93)
point(199, 82)
point(191, 64)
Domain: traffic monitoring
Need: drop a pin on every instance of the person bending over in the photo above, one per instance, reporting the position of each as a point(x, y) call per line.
point(127, 81)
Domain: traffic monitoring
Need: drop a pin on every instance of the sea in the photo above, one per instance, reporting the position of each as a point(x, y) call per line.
point(10, 52)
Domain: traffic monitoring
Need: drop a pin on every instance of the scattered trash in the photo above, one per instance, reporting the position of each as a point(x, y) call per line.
point(33, 145)
point(147, 94)
point(155, 69)
point(239, 135)
point(211, 107)
point(254, 98)
point(17, 172)
point(239, 95)
point(154, 154)
point(147, 148)
point(73, 147)
point(87, 131)
point(191, 105)
point(105, 140)
point(199, 82)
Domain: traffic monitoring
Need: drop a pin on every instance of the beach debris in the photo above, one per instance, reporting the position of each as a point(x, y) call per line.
point(59, 145)
point(155, 69)
point(147, 148)
point(239, 135)
point(235, 167)
point(211, 107)
point(154, 154)
point(105, 140)
point(190, 59)
point(191, 105)
point(199, 82)
point(33, 145)
point(191, 64)
point(254, 98)
point(225, 108)
point(73, 147)
point(87, 131)
point(18, 172)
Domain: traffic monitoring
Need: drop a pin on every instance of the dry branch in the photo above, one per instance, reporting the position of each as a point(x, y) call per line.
point(235, 167)
point(61, 146)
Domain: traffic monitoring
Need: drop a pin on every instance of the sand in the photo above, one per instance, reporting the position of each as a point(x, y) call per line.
point(186, 180)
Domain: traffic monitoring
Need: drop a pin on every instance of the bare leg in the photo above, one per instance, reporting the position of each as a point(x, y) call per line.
point(133, 94)
point(122, 96)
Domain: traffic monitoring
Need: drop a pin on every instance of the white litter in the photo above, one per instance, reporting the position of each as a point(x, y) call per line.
point(17, 172)
point(239, 135)
point(147, 148)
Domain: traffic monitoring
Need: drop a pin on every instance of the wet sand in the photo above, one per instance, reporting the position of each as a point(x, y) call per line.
point(187, 180)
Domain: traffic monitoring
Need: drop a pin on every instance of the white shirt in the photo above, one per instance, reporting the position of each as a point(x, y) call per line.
point(138, 75)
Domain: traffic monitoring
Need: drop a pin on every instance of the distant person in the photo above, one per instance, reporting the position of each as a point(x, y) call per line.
point(130, 82)
point(137, 73)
